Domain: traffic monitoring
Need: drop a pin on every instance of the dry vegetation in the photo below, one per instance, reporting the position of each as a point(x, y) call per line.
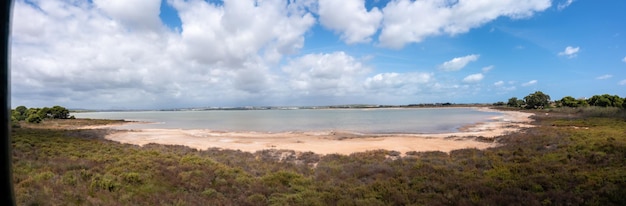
point(70, 123)
point(571, 158)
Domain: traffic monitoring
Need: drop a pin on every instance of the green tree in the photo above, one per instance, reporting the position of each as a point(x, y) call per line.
point(537, 100)
point(44, 113)
point(34, 118)
point(21, 109)
point(36, 115)
point(606, 100)
point(514, 102)
point(569, 101)
point(14, 122)
point(19, 113)
point(32, 111)
point(59, 112)
point(617, 101)
point(16, 116)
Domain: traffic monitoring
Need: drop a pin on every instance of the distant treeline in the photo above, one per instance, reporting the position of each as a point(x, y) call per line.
point(36, 115)
point(541, 100)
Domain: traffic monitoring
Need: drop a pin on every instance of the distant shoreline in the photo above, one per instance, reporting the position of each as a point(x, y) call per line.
point(355, 106)
point(331, 142)
point(371, 121)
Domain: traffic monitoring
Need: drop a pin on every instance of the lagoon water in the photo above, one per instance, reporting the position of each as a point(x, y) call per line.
point(373, 121)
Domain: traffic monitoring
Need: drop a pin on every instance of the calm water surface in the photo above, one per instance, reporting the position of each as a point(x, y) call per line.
point(405, 120)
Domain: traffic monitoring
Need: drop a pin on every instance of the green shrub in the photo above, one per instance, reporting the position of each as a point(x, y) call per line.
point(105, 182)
point(34, 118)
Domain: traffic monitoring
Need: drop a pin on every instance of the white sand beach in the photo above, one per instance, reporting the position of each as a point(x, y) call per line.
point(331, 142)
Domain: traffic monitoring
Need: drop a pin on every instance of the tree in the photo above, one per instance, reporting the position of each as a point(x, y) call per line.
point(606, 100)
point(32, 111)
point(19, 113)
point(14, 122)
point(59, 112)
point(537, 100)
point(34, 118)
point(514, 102)
point(44, 113)
point(36, 115)
point(617, 101)
point(569, 101)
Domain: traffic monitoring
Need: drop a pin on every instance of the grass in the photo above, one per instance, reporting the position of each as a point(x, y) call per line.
point(69, 123)
point(571, 158)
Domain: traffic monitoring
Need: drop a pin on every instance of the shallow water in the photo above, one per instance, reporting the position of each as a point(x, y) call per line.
point(395, 120)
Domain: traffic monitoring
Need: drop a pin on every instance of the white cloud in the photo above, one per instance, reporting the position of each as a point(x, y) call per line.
point(473, 78)
point(624, 59)
point(487, 68)
point(406, 21)
point(350, 18)
point(623, 82)
point(96, 54)
point(570, 52)
point(458, 63)
point(503, 88)
point(529, 83)
point(565, 4)
point(325, 74)
point(141, 14)
point(390, 82)
point(239, 30)
point(115, 53)
point(606, 76)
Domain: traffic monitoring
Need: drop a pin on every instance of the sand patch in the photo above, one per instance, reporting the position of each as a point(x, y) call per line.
point(332, 142)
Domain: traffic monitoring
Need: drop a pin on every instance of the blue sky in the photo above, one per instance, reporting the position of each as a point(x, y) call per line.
point(151, 54)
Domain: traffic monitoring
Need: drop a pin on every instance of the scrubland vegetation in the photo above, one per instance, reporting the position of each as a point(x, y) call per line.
point(36, 115)
point(540, 100)
point(573, 157)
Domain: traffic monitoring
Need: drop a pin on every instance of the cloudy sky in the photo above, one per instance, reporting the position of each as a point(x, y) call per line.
point(155, 54)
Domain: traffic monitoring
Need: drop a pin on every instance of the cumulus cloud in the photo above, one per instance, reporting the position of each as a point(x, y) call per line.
point(458, 63)
point(120, 54)
point(473, 78)
point(328, 74)
point(237, 31)
point(529, 83)
point(406, 83)
point(350, 18)
point(623, 82)
point(606, 76)
point(108, 53)
point(406, 21)
point(624, 59)
point(139, 14)
point(498, 83)
point(570, 52)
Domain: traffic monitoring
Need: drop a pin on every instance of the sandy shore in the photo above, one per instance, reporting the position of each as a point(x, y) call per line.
point(330, 142)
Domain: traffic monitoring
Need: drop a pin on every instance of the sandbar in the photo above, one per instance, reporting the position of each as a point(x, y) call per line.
point(332, 142)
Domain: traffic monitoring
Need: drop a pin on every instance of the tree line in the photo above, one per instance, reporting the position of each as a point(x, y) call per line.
point(540, 100)
point(36, 115)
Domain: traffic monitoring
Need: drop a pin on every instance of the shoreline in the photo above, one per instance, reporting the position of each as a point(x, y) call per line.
point(332, 142)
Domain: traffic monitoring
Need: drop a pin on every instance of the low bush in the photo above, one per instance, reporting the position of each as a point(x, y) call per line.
point(572, 157)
